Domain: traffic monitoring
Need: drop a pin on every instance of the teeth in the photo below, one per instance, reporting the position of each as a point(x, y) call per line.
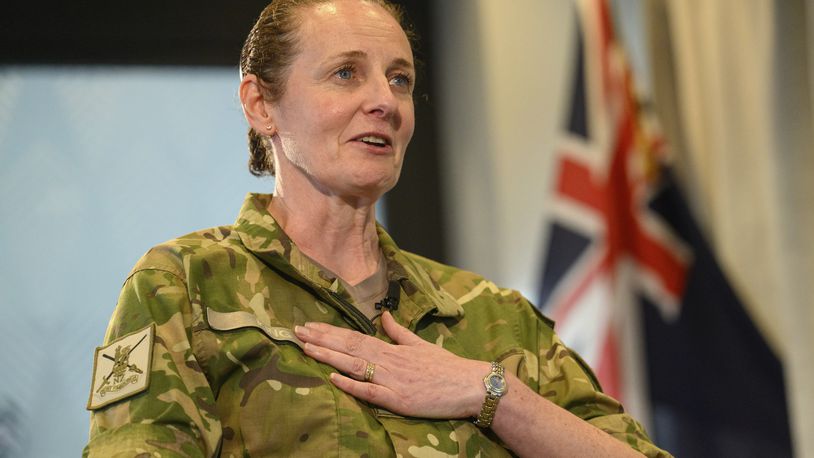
point(376, 140)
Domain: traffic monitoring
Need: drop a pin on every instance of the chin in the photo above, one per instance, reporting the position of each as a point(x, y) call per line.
point(377, 178)
point(373, 187)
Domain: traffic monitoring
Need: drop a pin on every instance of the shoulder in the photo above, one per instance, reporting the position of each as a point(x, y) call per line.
point(177, 256)
point(158, 287)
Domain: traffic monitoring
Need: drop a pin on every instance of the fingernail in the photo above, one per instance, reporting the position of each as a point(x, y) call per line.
point(301, 331)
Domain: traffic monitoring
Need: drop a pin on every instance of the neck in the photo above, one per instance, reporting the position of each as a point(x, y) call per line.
point(336, 232)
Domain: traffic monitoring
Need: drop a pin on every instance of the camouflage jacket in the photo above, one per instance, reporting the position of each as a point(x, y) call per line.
point(223, 374)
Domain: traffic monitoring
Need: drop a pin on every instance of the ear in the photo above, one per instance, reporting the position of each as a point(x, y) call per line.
point(254, 106)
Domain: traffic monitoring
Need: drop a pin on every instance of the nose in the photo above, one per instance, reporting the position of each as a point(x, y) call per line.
point(380, 100)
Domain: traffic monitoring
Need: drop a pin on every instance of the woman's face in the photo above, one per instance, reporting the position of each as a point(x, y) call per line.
point(346, 116)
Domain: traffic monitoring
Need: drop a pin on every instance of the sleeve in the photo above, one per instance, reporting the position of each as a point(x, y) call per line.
point(565, 379)
point(174, 414)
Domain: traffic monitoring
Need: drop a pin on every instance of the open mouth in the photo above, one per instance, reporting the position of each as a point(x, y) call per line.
point(374, 140)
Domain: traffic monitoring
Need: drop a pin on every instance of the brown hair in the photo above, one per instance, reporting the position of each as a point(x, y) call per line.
point(268, 53)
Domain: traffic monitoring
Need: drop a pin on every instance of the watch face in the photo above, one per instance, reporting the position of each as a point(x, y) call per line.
point(497, 383)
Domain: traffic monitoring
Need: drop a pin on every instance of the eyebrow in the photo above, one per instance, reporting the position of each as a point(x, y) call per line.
point(356, 54)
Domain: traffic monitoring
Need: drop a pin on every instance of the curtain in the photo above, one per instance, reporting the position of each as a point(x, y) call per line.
point(732, 87)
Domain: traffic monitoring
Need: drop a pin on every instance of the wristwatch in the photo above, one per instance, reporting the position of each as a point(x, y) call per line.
point(496, 387)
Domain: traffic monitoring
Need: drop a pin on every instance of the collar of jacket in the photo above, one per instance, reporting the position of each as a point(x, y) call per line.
point(260, 234)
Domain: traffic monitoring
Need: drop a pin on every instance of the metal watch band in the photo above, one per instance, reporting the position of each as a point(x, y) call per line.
point(487, 412)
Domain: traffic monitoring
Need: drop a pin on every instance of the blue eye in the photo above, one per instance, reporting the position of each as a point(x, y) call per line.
point(401, 80)
point(344, 73)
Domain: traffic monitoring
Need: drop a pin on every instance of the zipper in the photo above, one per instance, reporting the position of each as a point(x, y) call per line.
point(359, 318)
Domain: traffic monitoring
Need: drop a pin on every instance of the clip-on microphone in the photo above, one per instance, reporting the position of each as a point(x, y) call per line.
point(391, 301)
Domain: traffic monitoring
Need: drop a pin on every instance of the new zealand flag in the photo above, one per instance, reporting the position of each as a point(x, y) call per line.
point(634, 287)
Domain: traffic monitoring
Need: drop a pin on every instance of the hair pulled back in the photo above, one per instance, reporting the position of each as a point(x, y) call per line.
point(268, 52)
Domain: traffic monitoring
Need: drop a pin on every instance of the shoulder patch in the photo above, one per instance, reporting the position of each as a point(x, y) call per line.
point(122, 368)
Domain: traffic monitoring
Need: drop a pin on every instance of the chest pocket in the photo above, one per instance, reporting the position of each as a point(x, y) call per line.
point(270, 397)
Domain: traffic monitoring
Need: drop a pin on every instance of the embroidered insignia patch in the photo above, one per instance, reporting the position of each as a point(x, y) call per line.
point(122, 368)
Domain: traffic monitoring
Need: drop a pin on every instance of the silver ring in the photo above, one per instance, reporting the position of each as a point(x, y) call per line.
point(369, 371)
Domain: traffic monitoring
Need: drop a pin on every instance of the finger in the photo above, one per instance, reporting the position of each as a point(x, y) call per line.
point(370, 392)
point(337, 339)
point(351, 365)
point(399, 333)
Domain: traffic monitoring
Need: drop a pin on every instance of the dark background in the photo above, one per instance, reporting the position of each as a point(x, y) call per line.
point(211, 34)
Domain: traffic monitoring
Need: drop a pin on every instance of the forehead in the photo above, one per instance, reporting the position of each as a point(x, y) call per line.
point(342, 25)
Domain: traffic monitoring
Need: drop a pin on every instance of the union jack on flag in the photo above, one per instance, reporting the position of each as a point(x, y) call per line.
point(605, 247)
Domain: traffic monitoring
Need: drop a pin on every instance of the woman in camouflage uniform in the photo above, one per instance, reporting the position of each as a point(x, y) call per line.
point(302, 329)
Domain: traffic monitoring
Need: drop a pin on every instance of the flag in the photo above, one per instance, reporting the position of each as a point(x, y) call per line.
point(631, 282)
